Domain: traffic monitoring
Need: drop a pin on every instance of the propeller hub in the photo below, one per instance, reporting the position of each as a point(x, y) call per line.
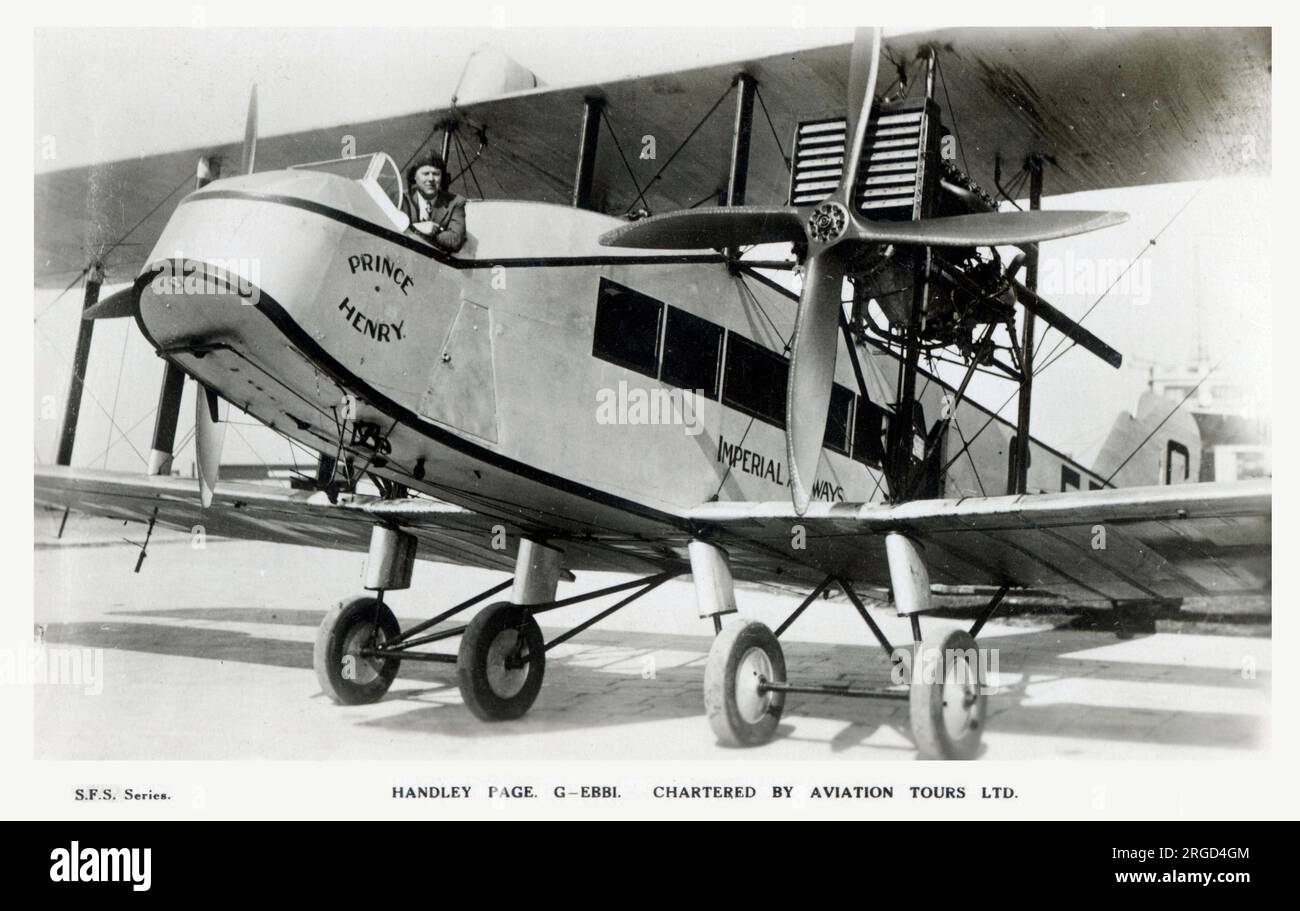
point(827, 222)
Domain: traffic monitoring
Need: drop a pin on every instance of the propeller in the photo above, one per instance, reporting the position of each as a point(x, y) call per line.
point(209, 437)
point(209, 429)
point(127, 301)
point(248, 155)
point(833, 230)
point(122, 303)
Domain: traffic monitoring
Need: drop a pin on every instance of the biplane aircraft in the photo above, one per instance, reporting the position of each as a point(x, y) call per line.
point(803, 438)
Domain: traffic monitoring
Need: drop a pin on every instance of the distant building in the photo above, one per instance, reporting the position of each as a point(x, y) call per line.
point(1236, 434)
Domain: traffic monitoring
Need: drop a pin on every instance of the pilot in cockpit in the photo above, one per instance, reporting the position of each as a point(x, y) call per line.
point(437, 214)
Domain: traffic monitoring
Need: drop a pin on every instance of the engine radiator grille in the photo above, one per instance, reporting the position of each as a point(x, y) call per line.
point(899, 172)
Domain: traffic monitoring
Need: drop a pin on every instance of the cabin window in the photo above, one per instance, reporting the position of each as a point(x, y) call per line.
point(377, 170)
point(839, 420)
point(754, 380)
point(627, 328)
point(354, 168)
point(1069, 478)
point(869, 429)
point(1095, 485)
point(692, 352)
point(1178, 463)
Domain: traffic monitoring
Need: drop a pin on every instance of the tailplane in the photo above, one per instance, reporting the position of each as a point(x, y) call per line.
point(1160, 444)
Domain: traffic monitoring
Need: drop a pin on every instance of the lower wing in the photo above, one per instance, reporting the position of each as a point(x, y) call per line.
point(1141, 543)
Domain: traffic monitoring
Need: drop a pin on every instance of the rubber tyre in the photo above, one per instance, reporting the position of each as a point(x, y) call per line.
point(937, 736)
point(738, 713)
point(492, 691)
point(344, 675)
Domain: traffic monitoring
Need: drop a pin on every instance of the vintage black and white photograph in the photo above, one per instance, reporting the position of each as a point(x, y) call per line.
point(836, 393)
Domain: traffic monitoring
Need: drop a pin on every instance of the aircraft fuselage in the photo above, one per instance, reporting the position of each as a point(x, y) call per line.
point(531, 374)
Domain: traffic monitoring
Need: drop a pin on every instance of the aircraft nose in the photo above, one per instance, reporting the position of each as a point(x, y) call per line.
point(191, 302)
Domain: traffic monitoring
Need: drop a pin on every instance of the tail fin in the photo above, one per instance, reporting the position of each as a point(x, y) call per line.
point(1161, 444)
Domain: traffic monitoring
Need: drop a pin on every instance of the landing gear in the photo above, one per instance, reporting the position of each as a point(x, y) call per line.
point(347, 674)
point(502, 654)
point(947, 696)
point(744, 659)
point(501, 662)
point(745, 681)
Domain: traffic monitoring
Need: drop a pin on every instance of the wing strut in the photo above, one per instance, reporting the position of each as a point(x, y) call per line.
point(1020, 481)
point(80, 358)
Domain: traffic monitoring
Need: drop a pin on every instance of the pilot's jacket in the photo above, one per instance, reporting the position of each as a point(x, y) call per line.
point(446, 211)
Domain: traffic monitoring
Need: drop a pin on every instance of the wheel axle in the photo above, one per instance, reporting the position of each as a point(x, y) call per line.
point(830, 689)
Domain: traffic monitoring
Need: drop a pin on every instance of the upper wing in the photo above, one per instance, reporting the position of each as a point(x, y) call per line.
point(1112, 107)
point(1126, 544)
point(1107, 107)
point(265, 513)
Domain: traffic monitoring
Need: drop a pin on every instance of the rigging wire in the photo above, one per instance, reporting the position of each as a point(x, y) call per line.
point(468, 164)
point(184, 180)
point(85, 391)
point(956, 132)
point(50, 305)
point(515, 161)
point(1145, 249)
point(763, 310)
point(179, 447)
point(952, 419)
point(604, 116)
point(98, 260)
point(243, 439)
point(689, 136)
point(712, 194)
point(1053, 356)
point(442, 124)
point(117, 243)
point(1166, 418)
point(727, 473)
point(113, 445)
point(784, 157)
point(993, 415)
point(117, 391)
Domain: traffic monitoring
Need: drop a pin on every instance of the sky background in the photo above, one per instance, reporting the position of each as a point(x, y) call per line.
point(1205, 286)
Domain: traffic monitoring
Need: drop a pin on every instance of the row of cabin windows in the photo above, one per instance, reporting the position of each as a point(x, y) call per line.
point(662, 342)
point(1070, 479)
point(1178, 469)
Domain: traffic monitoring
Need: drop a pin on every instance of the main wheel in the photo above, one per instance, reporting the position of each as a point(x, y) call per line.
point(344, 673)
point(501, 662)
point(947, 698)
point(744, 656)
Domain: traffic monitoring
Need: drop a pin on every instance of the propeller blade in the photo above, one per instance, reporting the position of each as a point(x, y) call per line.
point(704, 229)
point(123, 303)
point(249, 155)
point(864, 66)
point(1066, 326)
point(812, 371)
point(989, 229)
point(209, 436)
